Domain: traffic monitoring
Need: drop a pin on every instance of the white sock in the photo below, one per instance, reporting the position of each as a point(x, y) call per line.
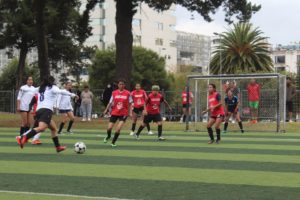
point(37, 136)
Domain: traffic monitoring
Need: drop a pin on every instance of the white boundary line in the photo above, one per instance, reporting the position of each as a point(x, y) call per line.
point(60, 195)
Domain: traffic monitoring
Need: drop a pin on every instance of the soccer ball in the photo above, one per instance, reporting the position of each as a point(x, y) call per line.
point(79, 147)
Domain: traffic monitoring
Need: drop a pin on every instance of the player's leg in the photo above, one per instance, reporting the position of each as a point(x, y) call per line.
point(23, 116)
point(64, 118)
point(84, 112)
point(210, 131)
point(118, 130)
point(53, 128)
point(229, 114)
point(218, 123)
point(255, 111)
point(89, 111)
point(29, 121)
point(134, 120)
point(147, 119)
point(112, 121)
point(238, 119)
point(71, 118)
point(184, 113)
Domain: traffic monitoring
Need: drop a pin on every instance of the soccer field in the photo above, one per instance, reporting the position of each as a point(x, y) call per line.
point(243, 166)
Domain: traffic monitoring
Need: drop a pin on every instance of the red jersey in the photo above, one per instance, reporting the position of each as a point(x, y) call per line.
point(139, 98)
point(214, 99)
point(120, 102)
point(153, 103)
point(184, 97)
point(253, 92)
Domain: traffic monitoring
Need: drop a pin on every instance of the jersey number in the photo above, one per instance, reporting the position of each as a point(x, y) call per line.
point(42, 96)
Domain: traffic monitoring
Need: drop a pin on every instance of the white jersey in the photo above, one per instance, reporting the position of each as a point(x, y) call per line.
point(25, 96)
point(48, 98)
point(64, 102)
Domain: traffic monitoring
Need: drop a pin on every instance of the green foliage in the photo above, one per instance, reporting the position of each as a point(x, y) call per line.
point(241, 49)
point(8, 76)
point(148, 69)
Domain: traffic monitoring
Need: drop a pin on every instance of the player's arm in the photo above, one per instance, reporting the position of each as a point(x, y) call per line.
point(20, 94)
point(130, 105)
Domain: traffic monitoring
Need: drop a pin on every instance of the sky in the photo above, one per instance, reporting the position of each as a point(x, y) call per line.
point(277, 19)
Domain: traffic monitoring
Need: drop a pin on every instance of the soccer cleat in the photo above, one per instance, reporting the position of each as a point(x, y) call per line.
point(89, 119)
point(58, 133)
point(131, 133)
point(113, 145)
point(210, 142)
point(60, 148)
point(224, 132)
point(36, 142)
point(18, 138)
point(23, 141)
point(70, 132)
point(83, 119)
point(254, 121)
point(218, 141)
point(150, 133)
point(242, 131)
point(137, 137)
point(161, 138)
point(105, 140)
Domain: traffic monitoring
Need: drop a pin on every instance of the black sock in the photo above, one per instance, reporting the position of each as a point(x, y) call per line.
point(159, 129)
point(70, 125)
point(61, 126)
point(148, 127)
point(26, 128)
point(55, 141)
point(115, 137)
point(133, 127)
point(108, 134)
point(31, 134)
point(22, 130)
point(140, 130)
point(210, 133)
point(241, 125)
point(218, 131)
point(183, 118)
point(225, 126)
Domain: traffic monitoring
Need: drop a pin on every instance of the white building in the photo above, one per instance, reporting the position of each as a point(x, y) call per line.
point(286, 58)
point(151, 29)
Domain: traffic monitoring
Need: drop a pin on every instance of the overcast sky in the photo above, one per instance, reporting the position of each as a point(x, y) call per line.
point(278, 19)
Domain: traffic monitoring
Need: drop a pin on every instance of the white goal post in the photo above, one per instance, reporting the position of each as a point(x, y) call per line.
point(272, 102)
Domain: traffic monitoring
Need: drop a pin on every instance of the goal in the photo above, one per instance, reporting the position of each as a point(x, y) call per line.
point(271, 112)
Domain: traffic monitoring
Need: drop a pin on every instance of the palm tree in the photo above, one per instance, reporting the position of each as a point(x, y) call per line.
point(241, 49)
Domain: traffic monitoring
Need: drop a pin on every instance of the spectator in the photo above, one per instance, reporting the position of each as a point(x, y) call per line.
point(86, 103)
point(77, 102)
point(290, 94)
point(253, 90)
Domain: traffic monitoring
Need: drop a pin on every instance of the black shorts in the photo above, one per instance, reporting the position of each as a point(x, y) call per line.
point(289, 106)
point(115, 118)
point(185, 105)
point(65, 111)
point(155, 118)
point(43, 115)
point(138, 111)
point(24, 111)
point(217, 116)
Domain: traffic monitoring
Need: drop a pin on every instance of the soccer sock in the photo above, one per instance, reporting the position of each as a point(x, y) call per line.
point(159, 129)
point(148, 127)
point(61, 126)
point(218, 131)
point(210, 133)
point(115, 137)
point(22, 130)
point(183, 118)
point(30, 133)
point(108, 134)
point(225, 126)
point(70, 125)
point(26, 128)
point(139, 130)
point(37, 136)
point(133, 127)
point(241, 125)
point(55, 141)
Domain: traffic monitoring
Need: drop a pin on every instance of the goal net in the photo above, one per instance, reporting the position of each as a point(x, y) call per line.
point(270, 111)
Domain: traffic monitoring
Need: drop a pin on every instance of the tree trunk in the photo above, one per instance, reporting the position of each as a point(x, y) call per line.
point(21, 66)
point(42, 42)
point(124, 39)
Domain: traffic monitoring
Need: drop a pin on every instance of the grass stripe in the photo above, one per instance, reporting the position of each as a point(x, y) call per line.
point(258, 178)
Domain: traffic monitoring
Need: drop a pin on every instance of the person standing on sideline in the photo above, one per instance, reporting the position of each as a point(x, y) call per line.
point(25, 95)
point(216, 113)
point(120, 102)
point(186, 112)
point(77, 102)
point(152, 111)
point(253, 90)
point(139, 98)
point(232, 109)
point(47, 95)
point(86, 103)
point(65, 109)
point(290, 94)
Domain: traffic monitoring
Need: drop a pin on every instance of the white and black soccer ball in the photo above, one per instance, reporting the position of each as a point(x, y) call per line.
point(79, 147)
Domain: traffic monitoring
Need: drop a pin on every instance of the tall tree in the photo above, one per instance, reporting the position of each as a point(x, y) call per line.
point(241, 49)
point(242, 9)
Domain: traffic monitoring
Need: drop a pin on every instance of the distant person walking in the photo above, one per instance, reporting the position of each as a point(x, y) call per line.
point(86, 103)
point(253, 90)
point(290, 94)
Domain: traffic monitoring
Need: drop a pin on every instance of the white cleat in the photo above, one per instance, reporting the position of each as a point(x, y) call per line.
point(150, 133)
point(131, 133)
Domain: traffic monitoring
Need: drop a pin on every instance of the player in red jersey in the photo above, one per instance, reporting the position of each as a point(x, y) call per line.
point(120, 103)
point(185, 104)
point(152, 111)
point(139, 98)
point(216, 113)
point(253, 90)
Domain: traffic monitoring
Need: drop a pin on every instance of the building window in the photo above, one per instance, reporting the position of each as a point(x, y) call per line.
point(159, 26)
point(137, 23)
point(137, 40)
point(279, 59)
point(159, 42)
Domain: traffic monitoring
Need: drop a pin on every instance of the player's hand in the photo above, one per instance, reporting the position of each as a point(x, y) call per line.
point(145, 112)
point(203, 112)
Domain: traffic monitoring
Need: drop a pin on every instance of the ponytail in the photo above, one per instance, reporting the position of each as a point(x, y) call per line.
point(47, 82)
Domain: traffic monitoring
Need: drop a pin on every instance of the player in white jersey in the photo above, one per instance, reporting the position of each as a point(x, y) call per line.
point(25, 95)
point(47, 95)
point(65, 109)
